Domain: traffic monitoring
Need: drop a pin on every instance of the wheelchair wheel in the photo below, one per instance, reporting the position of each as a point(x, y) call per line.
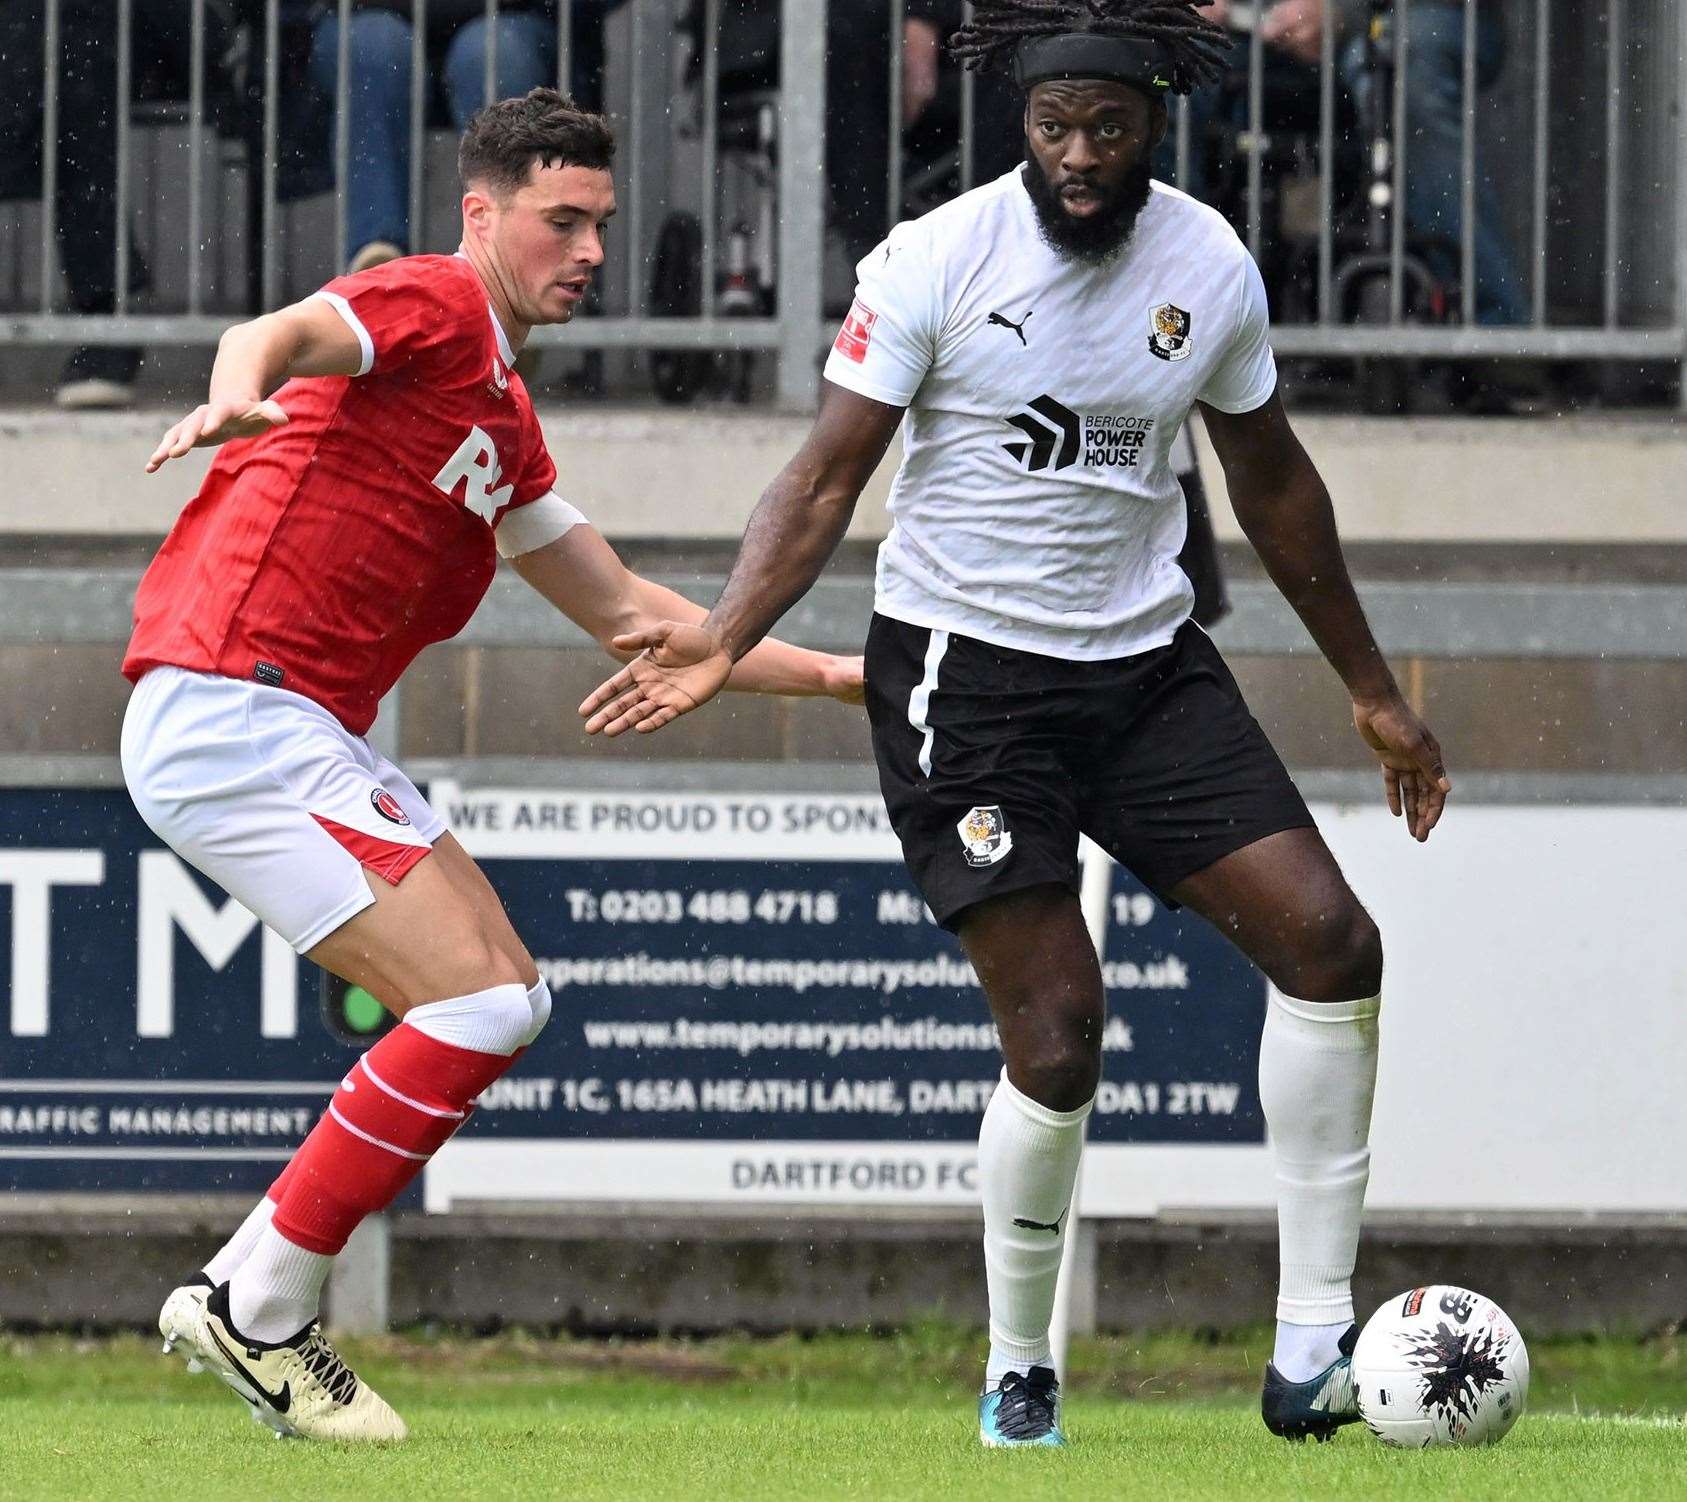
point(676, 283)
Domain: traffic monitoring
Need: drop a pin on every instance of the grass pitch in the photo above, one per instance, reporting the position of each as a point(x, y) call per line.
point(846, 1416)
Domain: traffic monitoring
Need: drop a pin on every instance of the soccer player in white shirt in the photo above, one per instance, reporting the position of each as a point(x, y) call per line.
point(1032, 671)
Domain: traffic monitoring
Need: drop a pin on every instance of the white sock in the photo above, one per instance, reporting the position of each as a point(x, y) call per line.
point(1027, 1165)
point(1317, 1073)
point(234, 1251)
point(1305, 1350)
point(496, 1020)
point(277, 1290)
point(539, 1000)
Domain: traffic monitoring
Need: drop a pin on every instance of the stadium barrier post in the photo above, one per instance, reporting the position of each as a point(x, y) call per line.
point(359, 1286)
point(802, 236)
point(383, 734)
point(1075, 1292)
point(1681, 206)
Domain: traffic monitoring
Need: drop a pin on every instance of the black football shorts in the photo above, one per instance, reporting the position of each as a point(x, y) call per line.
point(992, 760)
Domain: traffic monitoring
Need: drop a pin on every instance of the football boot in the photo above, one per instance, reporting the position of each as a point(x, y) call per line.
point(1317, 1407)
point(1022, 1409)
point(298, 1387)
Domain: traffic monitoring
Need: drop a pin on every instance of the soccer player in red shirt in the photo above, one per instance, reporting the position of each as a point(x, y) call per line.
point(350, 519)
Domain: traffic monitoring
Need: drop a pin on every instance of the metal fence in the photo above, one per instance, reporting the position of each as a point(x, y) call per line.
point(1572, 161)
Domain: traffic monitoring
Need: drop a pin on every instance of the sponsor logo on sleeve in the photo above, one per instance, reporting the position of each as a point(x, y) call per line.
point(857, 332)
point(1168, 332)
point(984, 836)
point(268, 672)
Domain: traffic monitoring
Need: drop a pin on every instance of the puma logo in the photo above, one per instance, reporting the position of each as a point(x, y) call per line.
point(1008, 323)
point(1041, 1225)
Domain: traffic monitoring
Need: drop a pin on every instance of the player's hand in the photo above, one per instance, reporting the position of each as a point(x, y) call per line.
point(1297, 26)
point(846, 680)
point(680, 668)
point(214, 423)
point(1412, 769)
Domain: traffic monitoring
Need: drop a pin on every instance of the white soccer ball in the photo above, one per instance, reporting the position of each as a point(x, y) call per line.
point(1440, 1366)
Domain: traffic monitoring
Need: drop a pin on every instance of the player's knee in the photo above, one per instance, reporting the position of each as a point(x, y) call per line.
point(484, 956)
point(1341, 960)
point(1060, 1066)
point(478, 966)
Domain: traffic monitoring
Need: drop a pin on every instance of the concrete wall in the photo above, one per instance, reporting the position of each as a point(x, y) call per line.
point(619, 1269)
point(696, 473)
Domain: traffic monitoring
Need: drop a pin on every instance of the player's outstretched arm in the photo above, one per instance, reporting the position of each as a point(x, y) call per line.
point(794, 529)
point(581, 574)
point(253, 359)
point(1283, 507)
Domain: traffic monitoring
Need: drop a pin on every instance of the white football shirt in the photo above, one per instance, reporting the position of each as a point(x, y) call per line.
point(1036, 505)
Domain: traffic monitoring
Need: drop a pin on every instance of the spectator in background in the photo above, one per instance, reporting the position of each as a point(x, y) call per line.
point(1434, 126)
point(858, 132)
point(85, 197)
point(459, 37)
point(1289, 102)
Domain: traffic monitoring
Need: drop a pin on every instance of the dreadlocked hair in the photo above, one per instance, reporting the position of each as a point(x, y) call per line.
point(1195, 45)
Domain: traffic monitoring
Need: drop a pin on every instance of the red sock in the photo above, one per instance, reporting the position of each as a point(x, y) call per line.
point(282, 1180)
point(393, 1111)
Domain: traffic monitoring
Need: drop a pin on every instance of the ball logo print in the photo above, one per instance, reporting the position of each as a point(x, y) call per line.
point(1168, 332)
point(388, 807)
point(984, 836)
point(1458, 1303)
point(1440, 1366)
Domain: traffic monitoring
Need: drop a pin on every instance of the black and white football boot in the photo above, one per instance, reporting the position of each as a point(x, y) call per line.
point(1316, 1408)
point(1022, 1409)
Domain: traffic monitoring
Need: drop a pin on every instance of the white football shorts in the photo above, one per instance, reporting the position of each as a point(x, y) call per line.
point(270, 796)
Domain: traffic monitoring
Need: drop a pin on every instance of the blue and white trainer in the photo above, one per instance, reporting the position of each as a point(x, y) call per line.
point(1022, 1409)
point(1317, 1407)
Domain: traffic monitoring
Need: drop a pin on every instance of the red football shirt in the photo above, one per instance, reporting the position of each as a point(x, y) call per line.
point(322, 556)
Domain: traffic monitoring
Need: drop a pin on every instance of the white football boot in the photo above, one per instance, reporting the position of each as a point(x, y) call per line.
point(190, 1294)
point(300, 1387)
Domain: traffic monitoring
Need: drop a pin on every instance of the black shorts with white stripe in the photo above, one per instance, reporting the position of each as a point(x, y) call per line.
point(992, 760)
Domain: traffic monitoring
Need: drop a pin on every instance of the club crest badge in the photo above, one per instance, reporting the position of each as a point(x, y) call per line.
point(1168, 333)
point(388, 807)
point(985, 837)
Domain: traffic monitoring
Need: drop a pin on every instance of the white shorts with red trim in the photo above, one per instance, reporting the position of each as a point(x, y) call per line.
point(270, 796)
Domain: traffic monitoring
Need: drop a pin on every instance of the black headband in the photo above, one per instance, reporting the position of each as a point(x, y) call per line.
point(1142, 64)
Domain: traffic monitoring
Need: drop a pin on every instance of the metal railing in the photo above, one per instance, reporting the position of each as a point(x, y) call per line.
point(1607, 286)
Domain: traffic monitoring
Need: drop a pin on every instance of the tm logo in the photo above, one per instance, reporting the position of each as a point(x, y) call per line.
point(1045, 422)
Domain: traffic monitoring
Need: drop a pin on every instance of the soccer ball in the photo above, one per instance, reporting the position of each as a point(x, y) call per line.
point(1440, 1366)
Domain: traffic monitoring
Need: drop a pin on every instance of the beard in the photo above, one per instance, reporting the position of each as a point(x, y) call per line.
point(1097, 238)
